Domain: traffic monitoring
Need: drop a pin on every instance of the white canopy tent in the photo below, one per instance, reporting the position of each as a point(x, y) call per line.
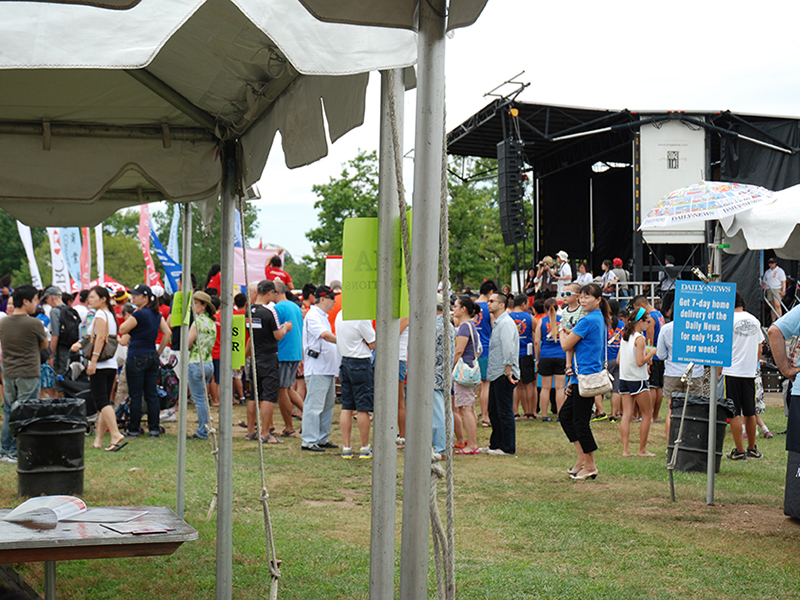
point(775, 225)
point(180, 100)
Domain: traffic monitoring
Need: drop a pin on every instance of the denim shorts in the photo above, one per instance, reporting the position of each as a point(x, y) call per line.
point(358, 384)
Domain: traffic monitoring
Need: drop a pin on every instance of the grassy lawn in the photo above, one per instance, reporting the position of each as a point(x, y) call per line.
point(523, 529)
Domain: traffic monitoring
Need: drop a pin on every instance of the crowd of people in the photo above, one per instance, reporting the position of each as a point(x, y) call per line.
point(514, 357)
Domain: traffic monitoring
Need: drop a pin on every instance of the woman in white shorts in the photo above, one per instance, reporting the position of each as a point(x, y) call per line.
point(633, 385)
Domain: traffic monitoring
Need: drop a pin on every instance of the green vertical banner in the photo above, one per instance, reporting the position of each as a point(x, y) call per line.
point(238, 342)
point(177, 316)
point(360, 269)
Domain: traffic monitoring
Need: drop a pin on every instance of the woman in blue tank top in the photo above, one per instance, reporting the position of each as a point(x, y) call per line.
point(142, 364)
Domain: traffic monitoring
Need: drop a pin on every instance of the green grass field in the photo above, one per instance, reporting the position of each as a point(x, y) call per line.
point(523, 528)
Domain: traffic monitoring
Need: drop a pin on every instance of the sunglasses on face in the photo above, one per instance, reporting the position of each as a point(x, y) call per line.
point(566, 294)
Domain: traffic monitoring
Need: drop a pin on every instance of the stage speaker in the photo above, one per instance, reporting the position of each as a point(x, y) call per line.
point(510, 161)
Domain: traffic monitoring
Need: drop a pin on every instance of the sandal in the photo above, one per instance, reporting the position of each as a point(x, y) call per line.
point(251, 436)
point(460, 445)
point(242, 424)
point(471, 452)
point(485, 424)
point(290, 434)
point(271, 439)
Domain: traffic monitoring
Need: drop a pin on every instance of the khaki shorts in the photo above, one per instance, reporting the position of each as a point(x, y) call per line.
point(772, 294)
point(673, 385)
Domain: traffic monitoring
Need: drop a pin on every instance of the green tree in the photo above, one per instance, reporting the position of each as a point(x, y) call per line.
point(205, 241)
point(300, 272)
point(477, 250)
point(13, 260)
point(353, 194)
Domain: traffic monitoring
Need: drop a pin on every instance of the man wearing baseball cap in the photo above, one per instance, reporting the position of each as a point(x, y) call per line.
point(321, 368)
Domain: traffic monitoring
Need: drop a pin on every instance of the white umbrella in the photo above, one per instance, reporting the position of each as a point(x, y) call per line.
point(768, 226)
point(705, 201)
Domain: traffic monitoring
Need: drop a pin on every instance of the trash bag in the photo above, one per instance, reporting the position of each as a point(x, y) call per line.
point(64, 411)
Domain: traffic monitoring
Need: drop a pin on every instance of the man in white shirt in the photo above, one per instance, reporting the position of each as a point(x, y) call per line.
point(356, 341)
point(740, 379)
point(774, 281)
point(321, 368)
point(564, 271)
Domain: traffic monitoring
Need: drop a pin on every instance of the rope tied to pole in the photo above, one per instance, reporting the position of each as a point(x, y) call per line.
point(273, 562)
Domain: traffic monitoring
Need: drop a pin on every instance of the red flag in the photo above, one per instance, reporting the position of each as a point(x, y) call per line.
point(151, 275)
point(86, 258)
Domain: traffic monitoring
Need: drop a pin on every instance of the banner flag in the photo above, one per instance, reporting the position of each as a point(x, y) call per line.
point(71, 250)
point(60, 273)
point(86, 258)
point(151, 275)
point(101, 258)
point(27, 243)
point(173, 247)
point(237, 229)
point(172, 269)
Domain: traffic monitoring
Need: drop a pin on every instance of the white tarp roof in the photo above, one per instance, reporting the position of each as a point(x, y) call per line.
point(767, 226)
point(392, 13)
point(249, 68)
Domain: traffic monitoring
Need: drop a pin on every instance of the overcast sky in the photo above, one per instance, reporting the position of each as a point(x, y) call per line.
point(677, 55)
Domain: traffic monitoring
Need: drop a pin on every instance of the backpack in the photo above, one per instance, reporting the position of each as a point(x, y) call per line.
point(69, 327)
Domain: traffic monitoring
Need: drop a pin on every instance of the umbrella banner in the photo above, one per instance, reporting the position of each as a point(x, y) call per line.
point(172, 242)
point(71, 249)
point(153, 278)
point(101, 259)
point(172, 269)
point(86, 258)
point(27, 243)
point(60, 273)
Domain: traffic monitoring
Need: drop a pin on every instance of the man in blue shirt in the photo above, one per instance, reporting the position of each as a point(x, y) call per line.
point(503, 375)
point(290, 353)
point(483, 323)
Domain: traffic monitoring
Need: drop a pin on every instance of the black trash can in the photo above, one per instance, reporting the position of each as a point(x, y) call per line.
point(50, 439)
point(693, 449)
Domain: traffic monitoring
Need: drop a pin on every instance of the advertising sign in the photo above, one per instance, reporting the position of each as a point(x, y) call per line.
point(703, 316)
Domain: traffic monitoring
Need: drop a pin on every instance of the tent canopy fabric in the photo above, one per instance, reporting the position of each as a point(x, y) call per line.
point(767, 226)
point(397, 13)
point(135, 111)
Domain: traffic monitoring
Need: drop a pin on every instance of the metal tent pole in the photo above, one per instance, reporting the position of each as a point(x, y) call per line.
point(387, 351)
point(716, 275)
point(428, 144)
point(225, 472)
point(186, 289)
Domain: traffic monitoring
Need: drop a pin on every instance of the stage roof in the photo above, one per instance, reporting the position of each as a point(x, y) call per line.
point(557, 137)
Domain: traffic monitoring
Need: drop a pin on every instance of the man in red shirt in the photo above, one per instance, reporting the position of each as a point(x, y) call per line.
point(273, 271)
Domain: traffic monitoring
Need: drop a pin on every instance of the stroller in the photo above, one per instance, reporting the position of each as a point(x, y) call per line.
point(167, 388)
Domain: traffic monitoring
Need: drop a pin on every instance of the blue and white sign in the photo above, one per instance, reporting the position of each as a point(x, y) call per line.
point(703, 315)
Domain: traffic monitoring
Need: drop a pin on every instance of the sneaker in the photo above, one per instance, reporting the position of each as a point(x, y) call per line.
point(753, 452)
point(483, 450)
point(768, 435)
point(497, 452)
point(365, 452)
point(7, 458)
point(312, 448)
point(600, 417)
point(736, 455)
point(330, 445)
point(546, 419)
point(347, 453)
point(400, 441)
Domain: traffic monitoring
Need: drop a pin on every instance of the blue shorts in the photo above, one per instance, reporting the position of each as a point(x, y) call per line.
point(358, 384)
point(403, 371)
point(483, 363)
point(288, 372)
point(633, 387)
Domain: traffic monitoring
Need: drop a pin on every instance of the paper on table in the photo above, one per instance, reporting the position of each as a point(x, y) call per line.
point(54, 508)
point(138, 527)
